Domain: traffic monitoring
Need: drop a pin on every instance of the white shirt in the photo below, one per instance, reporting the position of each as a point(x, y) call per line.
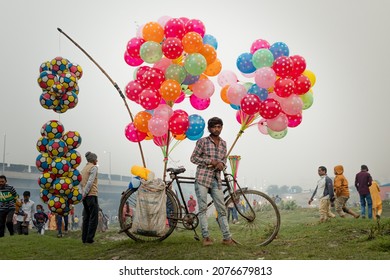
point(29, 208)
point(321, 187)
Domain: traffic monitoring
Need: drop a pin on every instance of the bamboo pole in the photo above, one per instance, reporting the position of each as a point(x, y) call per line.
point(112, 81)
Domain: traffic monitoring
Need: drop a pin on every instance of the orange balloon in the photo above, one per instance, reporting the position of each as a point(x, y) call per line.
point(141, 120)
point(149, 136)
point(180, 137)
point(170, 90)
point(209, 53)
point(192, 42)
point(214, 68)
point(153, 31)
point(224, 94)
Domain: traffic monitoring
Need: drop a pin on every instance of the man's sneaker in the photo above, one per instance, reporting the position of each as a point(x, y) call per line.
point(229, 242)
point(207, 241)
point(59, 235)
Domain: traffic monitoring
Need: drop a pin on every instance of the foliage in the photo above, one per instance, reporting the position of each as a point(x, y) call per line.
point(288, 205)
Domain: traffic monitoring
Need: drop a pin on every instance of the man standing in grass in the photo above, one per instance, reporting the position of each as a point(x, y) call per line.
point(324, 192)
point(363, 181)
point(8, 197)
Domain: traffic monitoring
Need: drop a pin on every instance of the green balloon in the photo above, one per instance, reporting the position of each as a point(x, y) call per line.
point(277, 134)
point(195, 64)
point(176, 72)
point(307, 99)
point(151, 52)
point(262, 58)
point(247, 85)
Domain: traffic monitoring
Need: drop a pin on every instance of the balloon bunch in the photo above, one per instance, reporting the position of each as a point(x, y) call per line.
point(58, 80)
point(58, 161)
point(182, 58)
point(280, 91)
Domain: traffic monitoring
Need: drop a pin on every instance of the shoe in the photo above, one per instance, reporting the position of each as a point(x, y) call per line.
point(207, 241)
point(66, 232)
point(59, 235)
point(378, 217)
point(229, 242)
point(90, 241)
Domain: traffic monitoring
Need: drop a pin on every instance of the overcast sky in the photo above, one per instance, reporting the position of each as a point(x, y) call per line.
point(345, 43)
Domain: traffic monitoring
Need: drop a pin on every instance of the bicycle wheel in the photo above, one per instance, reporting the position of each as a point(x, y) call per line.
point(127, 209)
point(258, 224)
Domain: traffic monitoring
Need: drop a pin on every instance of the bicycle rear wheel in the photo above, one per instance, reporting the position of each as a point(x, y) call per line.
point(127, 209)
point(257, 224)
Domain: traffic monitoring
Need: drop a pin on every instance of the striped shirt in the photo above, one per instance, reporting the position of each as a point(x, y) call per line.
point(205, 151)
point(8, 195)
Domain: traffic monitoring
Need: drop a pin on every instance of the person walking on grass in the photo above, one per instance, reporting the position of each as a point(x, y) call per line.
point(376, 200)
point(210, 157)
point(40, 219)
point(28, 210)
point(324, 192)
point(8, 197)
point(363, 181)
point(342, 193)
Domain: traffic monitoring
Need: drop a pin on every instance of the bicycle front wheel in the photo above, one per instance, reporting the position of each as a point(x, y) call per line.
point(127, 209)
point(258, 223)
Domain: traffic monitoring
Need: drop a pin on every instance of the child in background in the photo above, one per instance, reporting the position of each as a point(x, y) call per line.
point(40, 219)
point(376, 200)
point(20, 212)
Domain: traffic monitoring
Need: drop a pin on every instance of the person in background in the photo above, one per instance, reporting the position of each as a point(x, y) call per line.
point(89, 184)
point(363, 181)
point(341, 189)
point(210, 157)
point(40, 219)
point(59, 219)
point(376, 200)
point(324, 192)
point(8, 197)
point(232, 211)
point(191, 203)
point(28, 207)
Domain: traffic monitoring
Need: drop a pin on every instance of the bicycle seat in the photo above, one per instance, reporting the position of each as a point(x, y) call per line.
point(176, 170)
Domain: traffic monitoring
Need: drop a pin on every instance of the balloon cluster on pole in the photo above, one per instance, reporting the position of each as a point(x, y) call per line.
point(181, 58)
point(58, 79)
point(280, 90)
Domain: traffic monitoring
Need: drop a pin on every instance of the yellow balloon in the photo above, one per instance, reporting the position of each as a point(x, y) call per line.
point(311, 76)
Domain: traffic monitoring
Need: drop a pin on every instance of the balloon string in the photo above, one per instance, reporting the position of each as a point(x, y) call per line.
point(112, 81)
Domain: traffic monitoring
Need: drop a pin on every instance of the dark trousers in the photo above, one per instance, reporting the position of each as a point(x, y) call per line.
point(90, 218)
point(22, 228)
point(59, 223)
point(6, 220)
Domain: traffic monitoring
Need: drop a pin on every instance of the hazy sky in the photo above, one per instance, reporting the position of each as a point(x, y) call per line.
point(345, 43)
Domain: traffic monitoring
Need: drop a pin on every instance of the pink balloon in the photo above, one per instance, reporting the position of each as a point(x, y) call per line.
point(292, 105)
point(132, 61)
point(163, 20)
point(160, 141)
point(163, 111)
point(203, 88)
point(227, 77)
point(265, 77)
point(158, 126)
point(199, 103)
point(243, 117)
point(250, 104)
point(195, 25)
point(149, 99)
point(235, 93)
point(262, 126)
point(133, 134)
point(133, 46)
point(180, 98)
point(162, 64)
point(278, 123)
point(174, 28)
point(259, 44)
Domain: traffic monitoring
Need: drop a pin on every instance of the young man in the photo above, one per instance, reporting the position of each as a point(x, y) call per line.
point(324, 192)
point(210, 157)
point(363, 181)
point(28, 207)
point(8, 197)
point(89, 185)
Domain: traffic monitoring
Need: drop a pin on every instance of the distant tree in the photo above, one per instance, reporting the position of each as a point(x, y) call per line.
point(273, 189)
point(284, 189)
point(296, 189)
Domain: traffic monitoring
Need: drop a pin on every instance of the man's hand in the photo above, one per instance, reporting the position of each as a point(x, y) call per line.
point(310, 201)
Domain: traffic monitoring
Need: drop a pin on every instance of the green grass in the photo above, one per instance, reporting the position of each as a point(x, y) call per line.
point(301, 237)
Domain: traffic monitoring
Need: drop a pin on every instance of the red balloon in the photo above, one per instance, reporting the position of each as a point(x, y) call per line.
point(284, 87)
point(299, 65)
point(178, 123)
point(172, 48)
point(132, 61)
point(250, 104)
point(199, 103)
point(149, 99)
point(133, 134)
point(282, 66)
point(160, 141)
point(294, 120)
point(269, 108)
point(195, 25)
point(302, 84)
point(140, 72)
point(152, 78)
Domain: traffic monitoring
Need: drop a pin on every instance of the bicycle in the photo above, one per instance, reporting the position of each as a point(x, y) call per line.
point(259, 223)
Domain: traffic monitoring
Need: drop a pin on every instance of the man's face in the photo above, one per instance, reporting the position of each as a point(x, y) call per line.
point(215, 130)
point(2, 182)
point(321, 172)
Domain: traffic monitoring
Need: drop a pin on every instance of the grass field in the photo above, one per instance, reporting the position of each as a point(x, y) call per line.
point(301, 237)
